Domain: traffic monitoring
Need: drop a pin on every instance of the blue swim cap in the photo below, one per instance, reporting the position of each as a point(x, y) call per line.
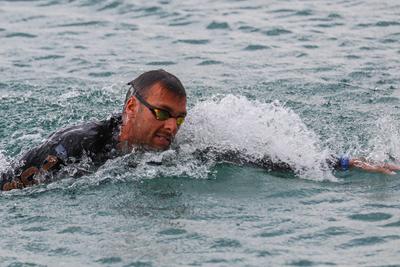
point(344, 162)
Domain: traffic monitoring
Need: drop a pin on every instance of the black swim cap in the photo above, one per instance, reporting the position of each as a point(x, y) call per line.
point(146, 80)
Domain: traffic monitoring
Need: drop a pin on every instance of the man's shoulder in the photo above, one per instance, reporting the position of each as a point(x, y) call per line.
point(72, 141)
point(86, 130)
point(94, 139)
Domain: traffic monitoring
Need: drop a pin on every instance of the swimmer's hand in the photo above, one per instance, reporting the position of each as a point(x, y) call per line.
point(384, 168)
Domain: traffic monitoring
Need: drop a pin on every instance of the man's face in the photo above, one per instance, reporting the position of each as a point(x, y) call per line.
point(140, 126)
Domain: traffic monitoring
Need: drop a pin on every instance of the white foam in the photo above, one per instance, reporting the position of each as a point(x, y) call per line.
point(385, 142)
point(258, 130)
point(4, 162)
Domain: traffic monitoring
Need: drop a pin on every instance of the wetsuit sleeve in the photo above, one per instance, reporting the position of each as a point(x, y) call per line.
point(36, 162)
point(334, 162)
point(63, 147)
point(237, 157)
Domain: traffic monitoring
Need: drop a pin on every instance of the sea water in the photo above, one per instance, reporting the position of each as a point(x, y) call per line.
point(296, 81)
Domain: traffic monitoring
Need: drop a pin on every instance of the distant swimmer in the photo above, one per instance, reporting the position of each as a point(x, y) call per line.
point(154, 109)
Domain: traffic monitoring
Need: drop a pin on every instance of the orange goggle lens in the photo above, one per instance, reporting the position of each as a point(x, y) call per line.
point(163, 115)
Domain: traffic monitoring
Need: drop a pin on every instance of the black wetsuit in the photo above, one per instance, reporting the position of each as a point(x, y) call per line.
point(98, 141)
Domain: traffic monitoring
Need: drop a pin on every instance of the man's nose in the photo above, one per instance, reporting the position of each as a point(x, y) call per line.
point(171, 125)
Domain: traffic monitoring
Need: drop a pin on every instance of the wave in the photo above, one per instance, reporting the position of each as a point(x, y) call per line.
point(258, 130)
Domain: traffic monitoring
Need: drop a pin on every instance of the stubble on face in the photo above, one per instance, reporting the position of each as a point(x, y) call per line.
point(140, 127)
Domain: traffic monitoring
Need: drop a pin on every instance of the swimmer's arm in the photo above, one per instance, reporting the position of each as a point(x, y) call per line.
point(269, 165)
point(47, 158)
point(362, 164)
point(240, 158)
point(26, 175)
point(356, 163)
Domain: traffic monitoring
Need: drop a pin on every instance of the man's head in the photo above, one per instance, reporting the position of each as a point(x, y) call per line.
point(154, 106)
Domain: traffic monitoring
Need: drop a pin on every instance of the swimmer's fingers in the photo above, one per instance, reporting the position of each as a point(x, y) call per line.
point(385, 171)
point(391, 167)
point(371, 168)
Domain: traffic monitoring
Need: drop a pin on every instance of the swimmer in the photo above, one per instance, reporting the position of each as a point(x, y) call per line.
point(154, 109)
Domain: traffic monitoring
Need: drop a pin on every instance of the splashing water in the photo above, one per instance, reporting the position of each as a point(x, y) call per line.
point(4, 163)
point(385, 144)
point(258, 130)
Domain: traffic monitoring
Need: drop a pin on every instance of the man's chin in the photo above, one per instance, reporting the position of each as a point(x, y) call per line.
point(160, 144)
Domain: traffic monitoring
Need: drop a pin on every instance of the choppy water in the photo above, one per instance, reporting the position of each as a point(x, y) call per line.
point(290, 79)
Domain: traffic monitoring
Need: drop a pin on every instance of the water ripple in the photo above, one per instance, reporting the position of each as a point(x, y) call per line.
point(369, 241)
point(218, 26)
point(30, 18)
point(194, 41)
point(277, 32)
point(335, 231)
point(283, 10)
point(21, 34)
point(63, 251)
point(393, 224)
point(109, 260)
point(101, 74)
point(139, 264)
point(305, 12)
point(311, 46)
point(111, 5)
point(209, 62)
point(247, 28)
point(275, 233)
point(253, 47)
point(371, 217)
point(172, 231)
point(305, 262)
point(35, 229)
point(226, 243)
point(84, 24)
point(335, 16)
point(161, 63)
point(180, 23)
point(49, 3)
point(329, 25)
point(387, 23)
point(49, 57)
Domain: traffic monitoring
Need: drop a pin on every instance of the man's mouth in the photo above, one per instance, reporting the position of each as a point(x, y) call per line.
point(165, 139)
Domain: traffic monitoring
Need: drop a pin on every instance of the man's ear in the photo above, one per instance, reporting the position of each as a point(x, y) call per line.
point(131, 106)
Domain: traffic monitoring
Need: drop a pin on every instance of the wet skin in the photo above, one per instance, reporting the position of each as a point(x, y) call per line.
point(141, 128)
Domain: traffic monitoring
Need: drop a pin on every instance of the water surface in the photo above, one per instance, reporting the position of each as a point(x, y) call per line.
point(294, 80)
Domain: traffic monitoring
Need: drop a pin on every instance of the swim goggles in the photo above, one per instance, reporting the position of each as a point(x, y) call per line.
point(160, 114)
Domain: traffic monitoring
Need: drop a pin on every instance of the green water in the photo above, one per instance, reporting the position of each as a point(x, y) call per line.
point(295, 80)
